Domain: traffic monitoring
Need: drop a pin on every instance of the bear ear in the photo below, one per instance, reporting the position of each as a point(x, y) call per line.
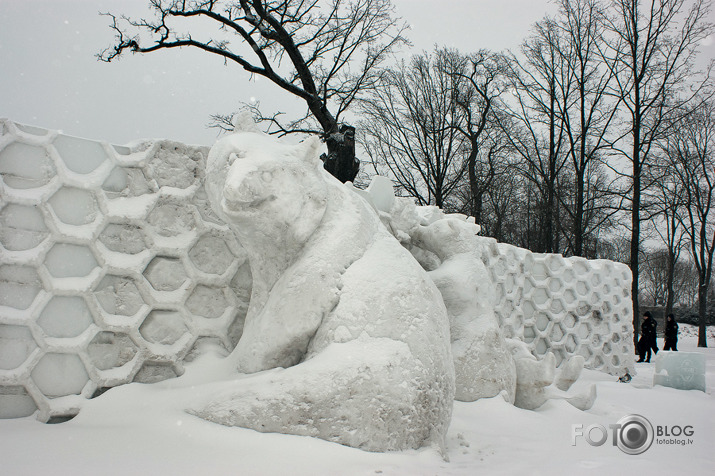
point(311, 148)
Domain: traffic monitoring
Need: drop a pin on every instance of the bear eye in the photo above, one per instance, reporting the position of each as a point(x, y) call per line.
point(266, 176)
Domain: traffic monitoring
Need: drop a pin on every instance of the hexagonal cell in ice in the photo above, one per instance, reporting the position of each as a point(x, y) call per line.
point(542, 321)
point(204, 207)
point(529, 334)
point(528, 309)
point(581, 287)
point(118, 295)
point(174, 165)
point(170, 218)
point(580, 266)
point(211, 255)
point(66, 260)
point(152, 372)
point(557, 307)
point(127, 182)
point(541, 346)
point(557, 333)
point(540, 296)
point(123, 238)
point(108, 350)
point(80, 155)
point(165, 274)
point(25, 166)
point(65, 316)
point(555, 285)
point(582, 308)
point(74, 206)
point(19, 285)
point(207, 301)
point(242, 282)
point(585, 352)
point(584, 331)
point(16, 345)
point(555, 263)
point(204, 345)
point(163, 327)
point(15, 402)
point(22, 227)
point(58, 375)
point(540, 271)
point(570, 344)
point(569, 296)
point(499, 267)
point(570, 320)
point(568, 275)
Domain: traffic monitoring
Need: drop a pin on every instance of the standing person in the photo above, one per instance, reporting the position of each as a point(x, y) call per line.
point(648, 339)
point(671, 333)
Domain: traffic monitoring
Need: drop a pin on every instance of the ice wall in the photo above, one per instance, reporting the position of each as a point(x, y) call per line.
point(565, 305)
point(113, 268)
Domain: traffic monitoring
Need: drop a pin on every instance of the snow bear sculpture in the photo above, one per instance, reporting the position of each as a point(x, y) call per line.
point(356, 332)
point(482, 362)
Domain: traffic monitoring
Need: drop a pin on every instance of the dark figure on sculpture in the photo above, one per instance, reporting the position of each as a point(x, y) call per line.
point(671, 333)
point(647, 341)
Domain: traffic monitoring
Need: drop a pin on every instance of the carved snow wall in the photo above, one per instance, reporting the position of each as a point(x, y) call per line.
point(114, 269)
point(565, 305)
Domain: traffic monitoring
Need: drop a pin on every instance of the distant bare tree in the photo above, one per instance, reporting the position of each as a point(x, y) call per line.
point(482, 78)
point(587, 112)
point(411, 123)
point(652, 47)
point(534, 126)
point(692, 150)
point(326, 52)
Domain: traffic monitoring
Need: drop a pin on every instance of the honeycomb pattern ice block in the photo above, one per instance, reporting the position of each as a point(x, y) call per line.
point(566, 306)
point(113, 268)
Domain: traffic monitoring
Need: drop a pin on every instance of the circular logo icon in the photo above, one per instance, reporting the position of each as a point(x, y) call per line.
point(635, 434)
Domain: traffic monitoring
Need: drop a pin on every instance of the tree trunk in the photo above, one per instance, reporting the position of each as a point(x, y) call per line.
point(635, 233)
point(579, 212)
point(669, 278)
point(340, 161)
point(702, 312)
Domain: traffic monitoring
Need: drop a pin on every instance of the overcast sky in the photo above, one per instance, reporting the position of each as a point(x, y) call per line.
point(49, 76)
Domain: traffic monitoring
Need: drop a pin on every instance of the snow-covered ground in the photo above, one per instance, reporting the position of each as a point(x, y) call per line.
point(141, 429)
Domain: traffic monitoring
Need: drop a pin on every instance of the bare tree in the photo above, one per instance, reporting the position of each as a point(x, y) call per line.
point(692, 150)
point(411, 123)
point(651, 53)
point(667, 197)
point(326, 52)
point(482, 79)
point(533, 124)
point(654, 286)
point(587, 110)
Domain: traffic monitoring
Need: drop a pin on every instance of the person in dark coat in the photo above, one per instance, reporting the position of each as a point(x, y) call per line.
point(671, 333)
point(648, 340)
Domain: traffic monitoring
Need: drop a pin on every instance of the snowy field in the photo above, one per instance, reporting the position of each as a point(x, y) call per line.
point(140, 429)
